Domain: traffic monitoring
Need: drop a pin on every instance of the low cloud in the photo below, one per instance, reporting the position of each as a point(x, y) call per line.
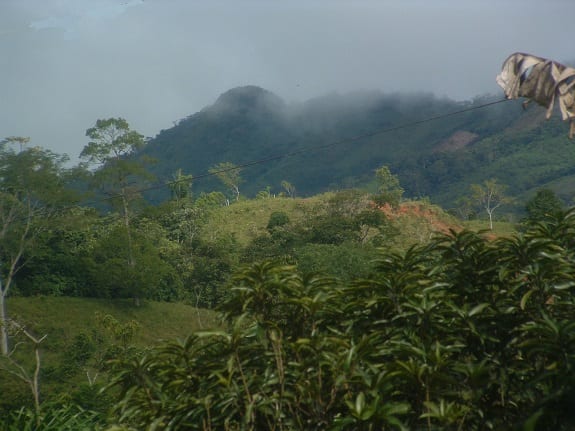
point(66, 63)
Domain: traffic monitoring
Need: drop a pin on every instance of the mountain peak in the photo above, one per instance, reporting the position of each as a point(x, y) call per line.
point(249, 97)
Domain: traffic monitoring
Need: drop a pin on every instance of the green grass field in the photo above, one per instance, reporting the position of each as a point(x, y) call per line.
point(245, 220)
point(500, 228)
point(64, 318)
point(72, 329)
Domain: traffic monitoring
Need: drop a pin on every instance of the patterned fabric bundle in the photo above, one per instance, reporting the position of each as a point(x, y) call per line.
point(541, 80)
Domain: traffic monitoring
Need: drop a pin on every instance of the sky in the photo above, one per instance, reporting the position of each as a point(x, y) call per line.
point(66, 63)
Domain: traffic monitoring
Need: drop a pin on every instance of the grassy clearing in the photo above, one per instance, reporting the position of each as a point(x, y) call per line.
point(67, 321)
point(245, 220)
point(62, 318)
point(500, 228)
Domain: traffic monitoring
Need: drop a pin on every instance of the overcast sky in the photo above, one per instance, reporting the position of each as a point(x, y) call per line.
point(66, 63)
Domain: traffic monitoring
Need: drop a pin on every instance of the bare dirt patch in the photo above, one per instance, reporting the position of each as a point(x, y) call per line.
point(458, 140)
point(429, 216)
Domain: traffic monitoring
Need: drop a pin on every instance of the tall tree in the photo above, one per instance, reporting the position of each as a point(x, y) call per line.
point(22, 141)
point(180, 186)
point(112, 149)
point(112, 143)
point(31, 193)
point(489, 196)
point(289, 188)
point(229, 175)
point(543, 206)
point(389, 190)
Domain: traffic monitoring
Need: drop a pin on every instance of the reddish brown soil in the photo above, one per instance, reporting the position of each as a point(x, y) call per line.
point(422, 211)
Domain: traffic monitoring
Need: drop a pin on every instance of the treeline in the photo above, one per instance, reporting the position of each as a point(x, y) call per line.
point(86, 231)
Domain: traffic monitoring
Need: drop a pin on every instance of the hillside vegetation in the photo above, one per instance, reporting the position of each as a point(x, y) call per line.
point(366, 307)
point(337, 141)
point(317, 234)
point(81, 336)
point(65, 318)
point(460, 332)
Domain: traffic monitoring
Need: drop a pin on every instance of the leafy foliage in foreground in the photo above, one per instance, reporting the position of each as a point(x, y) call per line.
point(462, 333)
point(55, 418)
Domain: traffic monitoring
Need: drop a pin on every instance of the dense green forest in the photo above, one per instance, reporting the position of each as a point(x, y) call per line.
point(336, 141)
point(128, 301)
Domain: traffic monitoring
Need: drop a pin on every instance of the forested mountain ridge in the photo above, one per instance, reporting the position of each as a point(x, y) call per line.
point(315, 145)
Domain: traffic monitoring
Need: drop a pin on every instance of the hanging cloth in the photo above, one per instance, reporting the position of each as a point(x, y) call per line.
point(541, 80)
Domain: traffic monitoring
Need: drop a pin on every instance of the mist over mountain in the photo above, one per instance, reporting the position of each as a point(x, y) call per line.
point(338, 140)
